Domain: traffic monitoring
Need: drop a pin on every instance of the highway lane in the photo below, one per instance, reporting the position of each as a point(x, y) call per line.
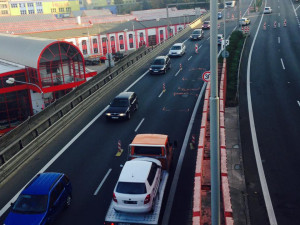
point(275, 90)
point(88, 160)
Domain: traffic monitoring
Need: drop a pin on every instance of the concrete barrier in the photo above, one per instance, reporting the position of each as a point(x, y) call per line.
point(30, 136)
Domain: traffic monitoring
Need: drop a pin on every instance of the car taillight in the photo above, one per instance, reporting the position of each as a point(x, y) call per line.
point(147, 199)
point(114, 198)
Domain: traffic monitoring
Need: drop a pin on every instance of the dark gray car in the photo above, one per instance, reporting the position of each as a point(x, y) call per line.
point(160, 65)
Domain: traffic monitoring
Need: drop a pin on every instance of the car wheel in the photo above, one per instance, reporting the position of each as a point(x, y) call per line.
point(68, 201)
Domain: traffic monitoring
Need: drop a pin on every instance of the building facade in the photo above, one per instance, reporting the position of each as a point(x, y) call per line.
point(4, 8)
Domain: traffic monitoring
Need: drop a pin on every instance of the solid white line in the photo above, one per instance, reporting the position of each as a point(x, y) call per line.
point(261, 173)
point(278, 24)
point(177, 72)
point(297, 8)
point(6, 207)
point(190, 58)
point(102, 182)
point(180, 160)
point(161, 94)
point(139, 125)
point(278, 40)
point(278, 14)
point(282, 63)
point(298, 103)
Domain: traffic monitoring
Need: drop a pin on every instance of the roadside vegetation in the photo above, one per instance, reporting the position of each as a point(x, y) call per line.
point(234, 48)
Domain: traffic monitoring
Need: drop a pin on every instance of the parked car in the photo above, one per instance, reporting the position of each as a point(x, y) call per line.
point(206, 25)
point(244, 21)
point(177, 49)
point(160, 65)
point(219, 15)
point(220, 38)
point(122, 106)
point(42, 200)
point(267, 10)
point(137, 186)
point(197, 34)
point(118, 56)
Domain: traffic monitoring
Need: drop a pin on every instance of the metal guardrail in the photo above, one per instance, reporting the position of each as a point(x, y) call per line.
point(30, 136)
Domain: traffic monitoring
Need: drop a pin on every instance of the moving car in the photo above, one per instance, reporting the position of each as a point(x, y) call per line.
point(206, 25)
point(267, 10)
point(42, 200)
point(220, 38)
point(244, 21)
point(137, 186)
point(160, 65)
point(219, 15)
point(177, 49)
point(197, 34)
point(229, 4)
point(122, 106)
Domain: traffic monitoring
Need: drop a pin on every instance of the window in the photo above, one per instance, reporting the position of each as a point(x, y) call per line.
point(29, 4)
point(103, 40)
point(84, 47)
point(121, 37)
point(56, 193)
point(121, 46)
point(131, 188)
point(131, 41)
point(22, 5)
point(53, 10)
point(141, 35)
point(39, 10)
point(112, 38)
point(23, 12)
point(68, 9)
point(61, 9)
point(14, 5)
point(94, 40)
point(3, 6)
point(152, 173)
point(161, 32)
point(4, 12)
point(30, 11)
point(38, 4)
point(95, 50)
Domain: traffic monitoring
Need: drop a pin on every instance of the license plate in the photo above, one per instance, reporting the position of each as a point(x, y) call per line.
point(114, 117)
point(130, 202)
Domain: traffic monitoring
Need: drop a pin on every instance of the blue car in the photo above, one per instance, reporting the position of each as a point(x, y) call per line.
point(219, 15)
point(41, 200)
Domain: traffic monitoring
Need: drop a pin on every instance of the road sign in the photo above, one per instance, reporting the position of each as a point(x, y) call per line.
point(225, 54)
point(206, 76)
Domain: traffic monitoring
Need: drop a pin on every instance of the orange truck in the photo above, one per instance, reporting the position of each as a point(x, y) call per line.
point(156, 146)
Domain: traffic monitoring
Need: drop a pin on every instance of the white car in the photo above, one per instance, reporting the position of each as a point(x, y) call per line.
point(137, 186)
point(267, 10)
point(177, 49)
point(220, 38)
point(245, 21)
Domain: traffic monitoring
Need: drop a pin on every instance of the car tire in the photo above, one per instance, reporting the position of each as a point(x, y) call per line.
point(68, 201)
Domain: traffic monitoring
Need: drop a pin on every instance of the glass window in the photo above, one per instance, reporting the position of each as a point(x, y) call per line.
point(131, 188)
point(14, 5)
point(121, 37)
point(31, 204)
point(68, 9)
point(103, 40)
point(141, 34)
point(152, 173)
point(112, 38)
point(23, 12)
point(95, 41)
point(142, 150)
point(122, 46)
point(95, 50)
point(30, 11)
point(83, 42)
point(61, 9)
point(119, 102)
point(38, 4)
point(53, 10)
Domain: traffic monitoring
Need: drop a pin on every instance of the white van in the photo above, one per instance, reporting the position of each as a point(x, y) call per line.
point(229, 4)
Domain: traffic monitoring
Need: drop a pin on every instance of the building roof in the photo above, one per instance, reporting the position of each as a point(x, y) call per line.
point(22, 50)
point(93, 12)
point(6, 67)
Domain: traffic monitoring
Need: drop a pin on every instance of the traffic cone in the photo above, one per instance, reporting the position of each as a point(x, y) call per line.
point(120, 150)
point(265, 26)
point(180, 66)
point(275, 24)
point(196, 48)
point(164, 87)
point(193, 143)
point(284, 23)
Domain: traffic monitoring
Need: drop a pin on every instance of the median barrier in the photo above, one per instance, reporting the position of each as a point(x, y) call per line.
point(30, 136)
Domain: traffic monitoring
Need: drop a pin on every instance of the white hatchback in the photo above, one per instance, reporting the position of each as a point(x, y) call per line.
point(177, 49)
point(267, 10)
point(137, 186)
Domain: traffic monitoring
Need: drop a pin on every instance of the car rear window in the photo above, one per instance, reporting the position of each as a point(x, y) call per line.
point(131, 188)
point(31, 204)
point(142, 150)
point(159, 62)
point(176, 47)
point(196, 32)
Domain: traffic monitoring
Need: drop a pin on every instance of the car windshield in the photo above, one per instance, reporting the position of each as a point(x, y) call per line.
point(158, 62)
point(176, 47)
point(31, 204)
point(131, 188)
point(267, 8)
point(206, 23)
point(196, 32)
point(119, 102)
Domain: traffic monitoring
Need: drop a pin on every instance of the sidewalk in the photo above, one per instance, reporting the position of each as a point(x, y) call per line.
point(235, 168)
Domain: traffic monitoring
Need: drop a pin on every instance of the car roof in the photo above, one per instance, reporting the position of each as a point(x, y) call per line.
point(42, 184)
point(124, 94)
point(197, 29)
point(161, 57)
point(135, 171)
point(150, 139)
point(178, 44)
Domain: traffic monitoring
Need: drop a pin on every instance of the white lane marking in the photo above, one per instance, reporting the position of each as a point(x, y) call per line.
point(282, 63)
point(190, 58)
point(177, 72)
point(298, 103)
point(180, 160)
point(297, 8)
point(278, 40)
point(161, 94)
point(136, 129)
point(6, 207)
point(278, 24)
point(261, 173)
point(102, 182)
point(278, 14)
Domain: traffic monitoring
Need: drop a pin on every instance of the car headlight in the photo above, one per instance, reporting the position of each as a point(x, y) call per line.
point(122, 114)
point(150, 68)
point(108, 114)
point(162, 68)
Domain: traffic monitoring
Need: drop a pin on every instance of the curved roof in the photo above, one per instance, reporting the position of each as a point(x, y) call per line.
point(22, 50)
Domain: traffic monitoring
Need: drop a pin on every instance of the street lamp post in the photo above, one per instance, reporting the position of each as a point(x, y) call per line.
point(12, 80)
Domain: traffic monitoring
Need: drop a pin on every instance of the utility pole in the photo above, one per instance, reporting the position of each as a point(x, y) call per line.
point(214, 117)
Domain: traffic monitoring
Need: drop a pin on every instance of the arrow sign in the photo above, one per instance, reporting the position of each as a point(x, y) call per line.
point(206, 76)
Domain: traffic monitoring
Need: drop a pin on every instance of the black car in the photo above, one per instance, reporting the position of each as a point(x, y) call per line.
point(122, 106)
point(160, 65)
point(197, 34)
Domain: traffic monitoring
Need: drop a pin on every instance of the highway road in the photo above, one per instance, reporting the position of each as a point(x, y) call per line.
point(269, 116)
point(86, 149)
